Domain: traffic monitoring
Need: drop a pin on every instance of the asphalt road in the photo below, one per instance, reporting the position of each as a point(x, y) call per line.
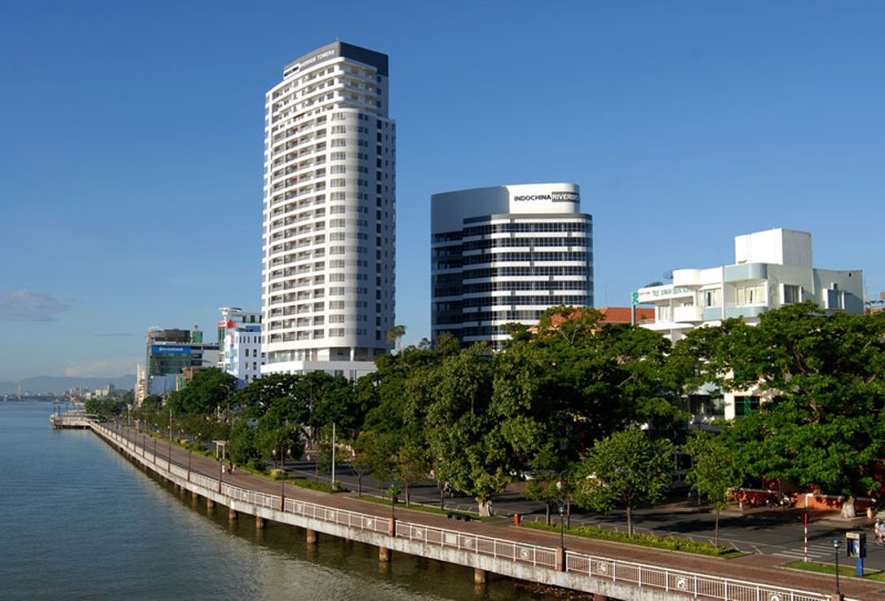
point(772, 531)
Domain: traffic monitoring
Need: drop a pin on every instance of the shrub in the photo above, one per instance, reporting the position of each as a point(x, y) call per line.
point(670, 543)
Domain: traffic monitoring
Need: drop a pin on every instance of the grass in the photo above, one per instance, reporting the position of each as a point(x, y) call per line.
point(430, 509)
point(326, 487)
point(670, 543)
point(828, 568)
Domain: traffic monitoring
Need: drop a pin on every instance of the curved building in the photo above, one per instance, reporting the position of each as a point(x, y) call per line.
point(329, 214)
point(506, 254)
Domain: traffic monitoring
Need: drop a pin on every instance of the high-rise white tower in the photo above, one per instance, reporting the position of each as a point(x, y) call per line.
point(328, 255)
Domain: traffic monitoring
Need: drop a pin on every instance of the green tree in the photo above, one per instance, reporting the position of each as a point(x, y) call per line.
point(550, 480)
point(714, 472)
point(824, 375)
point(105, 408)
point(576, 380)
point(626, 470)
point(363, 458)
point(464, 433)
point(209, 390)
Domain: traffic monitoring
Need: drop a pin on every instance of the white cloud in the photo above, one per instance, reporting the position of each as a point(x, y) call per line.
point(104, 368)
point(22, 305)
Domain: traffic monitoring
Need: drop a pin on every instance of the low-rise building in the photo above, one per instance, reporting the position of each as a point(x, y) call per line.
point(239, 341)
point(772, 269)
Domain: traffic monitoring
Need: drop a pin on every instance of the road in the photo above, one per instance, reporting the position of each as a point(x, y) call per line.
point(771, 531)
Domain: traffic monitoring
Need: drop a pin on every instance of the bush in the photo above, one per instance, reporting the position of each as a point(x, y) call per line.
point(670, 543)
point(318, 486)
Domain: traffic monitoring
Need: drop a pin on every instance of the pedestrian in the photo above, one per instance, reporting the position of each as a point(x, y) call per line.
point(879, 531)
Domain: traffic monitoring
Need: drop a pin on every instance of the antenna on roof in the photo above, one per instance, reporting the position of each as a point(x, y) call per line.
point(668, 275)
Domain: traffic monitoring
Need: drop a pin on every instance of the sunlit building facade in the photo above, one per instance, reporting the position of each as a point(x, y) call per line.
point(506, 254)
point(328, 254)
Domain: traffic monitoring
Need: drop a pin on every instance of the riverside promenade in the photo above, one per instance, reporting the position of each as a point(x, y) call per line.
point(607, 570)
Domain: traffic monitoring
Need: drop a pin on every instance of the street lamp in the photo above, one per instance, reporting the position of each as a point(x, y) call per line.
point(170, 439)
point(836, 544)
point(561, 533)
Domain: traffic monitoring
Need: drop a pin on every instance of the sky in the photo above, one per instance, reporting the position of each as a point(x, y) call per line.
point(131, 141)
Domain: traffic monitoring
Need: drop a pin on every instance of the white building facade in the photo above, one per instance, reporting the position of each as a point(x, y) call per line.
point(506, 254)
point(239, 341)
point(329, 214)
point(772, 269)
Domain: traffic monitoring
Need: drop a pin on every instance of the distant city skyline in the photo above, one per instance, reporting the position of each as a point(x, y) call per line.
point(132, 155)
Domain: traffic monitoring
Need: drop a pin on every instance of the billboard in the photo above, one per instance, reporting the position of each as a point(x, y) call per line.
point(161, 349)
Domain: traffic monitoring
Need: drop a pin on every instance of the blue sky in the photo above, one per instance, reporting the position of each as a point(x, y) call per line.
point(131, 138)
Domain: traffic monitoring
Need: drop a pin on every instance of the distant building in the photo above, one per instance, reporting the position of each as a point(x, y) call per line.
point(635, 315)
point(505, 255)
point(328, 287)
point(874, 306)
point(772, 269)
point(169, 352)
point(101, 393)
point(239, 340)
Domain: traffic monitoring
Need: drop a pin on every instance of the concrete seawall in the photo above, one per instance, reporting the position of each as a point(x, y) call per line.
point(605, 577)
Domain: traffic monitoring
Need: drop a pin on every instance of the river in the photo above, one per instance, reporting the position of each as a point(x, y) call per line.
point(78, 521)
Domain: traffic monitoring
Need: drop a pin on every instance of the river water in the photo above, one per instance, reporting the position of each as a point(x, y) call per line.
point(78, 521)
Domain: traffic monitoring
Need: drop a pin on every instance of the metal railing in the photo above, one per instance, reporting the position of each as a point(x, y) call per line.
point(642, 575)
point(697, 585)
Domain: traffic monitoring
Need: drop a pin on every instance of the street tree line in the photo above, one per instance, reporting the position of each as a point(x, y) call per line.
point(594, 411)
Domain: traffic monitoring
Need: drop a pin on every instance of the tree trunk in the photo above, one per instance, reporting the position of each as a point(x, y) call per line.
point(716, 535)
point(485, 506)
point(547, 505)
point(848, 509)
point(630, 522)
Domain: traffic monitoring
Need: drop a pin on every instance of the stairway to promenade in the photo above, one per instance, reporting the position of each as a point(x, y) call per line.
point(618, 571)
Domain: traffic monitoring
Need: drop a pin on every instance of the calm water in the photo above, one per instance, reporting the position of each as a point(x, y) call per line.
point(78, 521)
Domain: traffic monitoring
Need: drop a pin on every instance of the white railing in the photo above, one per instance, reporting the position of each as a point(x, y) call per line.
point(696, 585)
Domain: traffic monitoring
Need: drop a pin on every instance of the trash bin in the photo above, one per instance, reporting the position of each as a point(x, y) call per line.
point(516, 519)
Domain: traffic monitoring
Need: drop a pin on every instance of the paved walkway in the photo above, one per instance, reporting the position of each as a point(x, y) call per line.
point(754, 568)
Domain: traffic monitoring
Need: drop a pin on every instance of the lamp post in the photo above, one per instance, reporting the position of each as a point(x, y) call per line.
point(561, 532)
point(333, 456)
point(836, 544)
point(170, 439)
